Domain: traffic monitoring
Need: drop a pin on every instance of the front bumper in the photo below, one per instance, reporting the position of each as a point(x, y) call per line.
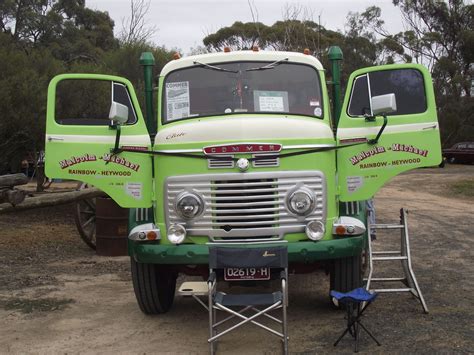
point(195, 254)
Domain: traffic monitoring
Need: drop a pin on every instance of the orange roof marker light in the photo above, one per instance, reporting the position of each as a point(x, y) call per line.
point(306, 51)
point(255, 48)
point(176, 56)
point(226, 49)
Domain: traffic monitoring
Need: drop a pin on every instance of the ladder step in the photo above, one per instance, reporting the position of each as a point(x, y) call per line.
point(387, 279)
point(387, 226)
point(385, 258)
point(392, 290)
point(386, 252)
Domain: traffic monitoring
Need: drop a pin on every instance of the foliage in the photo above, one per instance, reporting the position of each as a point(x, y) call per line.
point(135, 29)
point(42, 38)
point(440, 35)
point(239, 36)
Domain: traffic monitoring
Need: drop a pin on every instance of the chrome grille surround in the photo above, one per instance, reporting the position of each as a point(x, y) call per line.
point(246, 206)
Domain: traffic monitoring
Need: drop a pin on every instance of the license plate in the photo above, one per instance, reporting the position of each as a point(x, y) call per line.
point(238, 273)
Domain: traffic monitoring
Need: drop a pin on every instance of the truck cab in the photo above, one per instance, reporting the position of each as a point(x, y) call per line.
point(247, 151)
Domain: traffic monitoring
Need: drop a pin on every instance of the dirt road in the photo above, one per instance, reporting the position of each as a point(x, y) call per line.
point(57, 296)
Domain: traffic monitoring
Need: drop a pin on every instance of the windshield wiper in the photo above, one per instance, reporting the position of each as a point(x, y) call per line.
point(213, 67)
point(269, 66)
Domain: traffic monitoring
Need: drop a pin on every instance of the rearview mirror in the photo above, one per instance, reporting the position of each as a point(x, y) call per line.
point(383, 104)
point(118, 113)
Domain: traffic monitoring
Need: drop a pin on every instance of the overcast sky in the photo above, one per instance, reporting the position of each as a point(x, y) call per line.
point(184, 23)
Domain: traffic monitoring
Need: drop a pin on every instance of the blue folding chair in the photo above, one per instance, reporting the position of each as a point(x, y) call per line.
point(353, 302)
point(247, 307)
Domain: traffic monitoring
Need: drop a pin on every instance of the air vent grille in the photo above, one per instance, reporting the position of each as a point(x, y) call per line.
point(214, 163)
point(263, 162)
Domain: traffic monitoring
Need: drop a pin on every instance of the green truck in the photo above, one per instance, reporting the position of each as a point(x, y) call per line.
point(245, 148)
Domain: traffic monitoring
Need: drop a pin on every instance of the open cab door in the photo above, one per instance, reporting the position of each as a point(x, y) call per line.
point(89, 117)
point(388, 125)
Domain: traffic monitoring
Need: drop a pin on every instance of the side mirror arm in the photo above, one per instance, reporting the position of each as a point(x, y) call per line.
point(376, 139)
point(116, 149)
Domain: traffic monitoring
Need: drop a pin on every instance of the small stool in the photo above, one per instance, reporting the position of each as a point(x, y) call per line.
point(353, 301)
point(194, 289)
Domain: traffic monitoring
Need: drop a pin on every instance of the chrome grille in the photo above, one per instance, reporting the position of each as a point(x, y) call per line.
point(245, 206)
point(228, 215)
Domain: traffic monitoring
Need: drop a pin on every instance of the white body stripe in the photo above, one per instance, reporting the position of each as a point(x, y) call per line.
point(141, 140)
point(237, 129)
point(252, 128)
point(344, 133)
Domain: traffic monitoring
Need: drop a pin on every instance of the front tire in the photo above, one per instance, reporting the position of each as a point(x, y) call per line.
point(154, 287)
point(346, 274)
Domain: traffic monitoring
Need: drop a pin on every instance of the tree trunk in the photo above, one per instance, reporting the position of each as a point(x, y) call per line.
point(15, 197)
point(52, 200)
point(13, 180)
point(40, 177)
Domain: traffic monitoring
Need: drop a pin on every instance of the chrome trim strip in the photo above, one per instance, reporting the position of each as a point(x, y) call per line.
point(178, 151)
point(369, 89)
point(238, 184)
point(303, 146)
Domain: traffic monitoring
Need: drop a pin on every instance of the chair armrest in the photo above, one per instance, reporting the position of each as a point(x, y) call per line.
point(211, 286)
point(212, 277)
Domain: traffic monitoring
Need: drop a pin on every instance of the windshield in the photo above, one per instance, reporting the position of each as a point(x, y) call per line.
point(242, 87)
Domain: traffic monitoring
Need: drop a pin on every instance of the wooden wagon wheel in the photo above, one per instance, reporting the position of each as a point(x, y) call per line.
point(85, 218)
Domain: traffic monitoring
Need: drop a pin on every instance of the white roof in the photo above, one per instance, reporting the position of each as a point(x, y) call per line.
point(222, 57)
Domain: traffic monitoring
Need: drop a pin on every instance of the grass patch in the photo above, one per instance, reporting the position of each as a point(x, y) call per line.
point(25, 305)
point(463, 187)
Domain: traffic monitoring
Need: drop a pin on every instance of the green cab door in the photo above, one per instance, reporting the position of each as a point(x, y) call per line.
point(409, 140)
point(88, 115)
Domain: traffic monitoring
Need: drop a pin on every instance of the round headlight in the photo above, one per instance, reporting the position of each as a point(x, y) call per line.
point(315, 230)
point(189, 205)
point(176, 233)
point(301, 201)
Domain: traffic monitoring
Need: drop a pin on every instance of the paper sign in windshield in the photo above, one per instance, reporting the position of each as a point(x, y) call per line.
point(177, 100)
point(271, 101)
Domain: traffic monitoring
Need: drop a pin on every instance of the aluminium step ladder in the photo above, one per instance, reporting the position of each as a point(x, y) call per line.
point(402, 255)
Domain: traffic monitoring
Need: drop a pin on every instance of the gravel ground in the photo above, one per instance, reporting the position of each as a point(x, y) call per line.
point(57, 296)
